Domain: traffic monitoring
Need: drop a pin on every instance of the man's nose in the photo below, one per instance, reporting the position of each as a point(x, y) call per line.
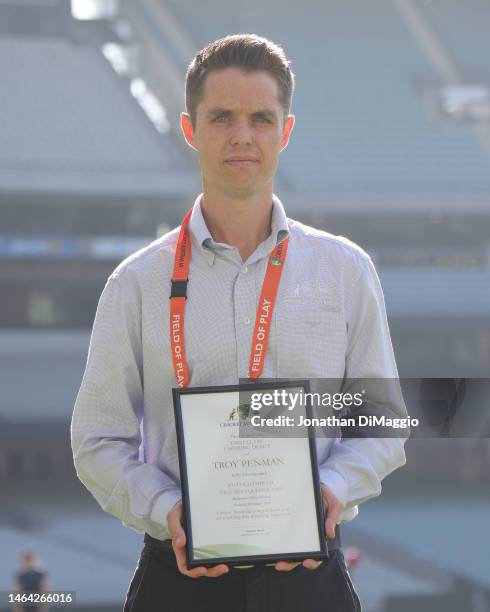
point(242, 134)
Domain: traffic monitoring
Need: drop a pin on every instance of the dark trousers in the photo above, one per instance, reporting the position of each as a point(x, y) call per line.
point(158, 586)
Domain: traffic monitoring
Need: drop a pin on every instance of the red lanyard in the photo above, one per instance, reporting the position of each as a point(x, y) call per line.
point(178, 296)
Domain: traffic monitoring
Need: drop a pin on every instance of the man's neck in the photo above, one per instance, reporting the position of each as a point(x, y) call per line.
point(242, 223)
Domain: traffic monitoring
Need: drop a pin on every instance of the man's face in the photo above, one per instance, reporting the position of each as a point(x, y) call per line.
point(239, 131)
point(27, 561)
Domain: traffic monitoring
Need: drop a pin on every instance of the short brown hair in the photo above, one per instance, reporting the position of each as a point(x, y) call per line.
point(246, 51)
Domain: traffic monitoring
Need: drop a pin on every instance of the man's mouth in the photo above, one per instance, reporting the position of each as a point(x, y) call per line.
point(241, 161)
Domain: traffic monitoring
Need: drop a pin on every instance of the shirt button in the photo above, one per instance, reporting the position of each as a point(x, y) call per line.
point(246, 320)
point(245, 269)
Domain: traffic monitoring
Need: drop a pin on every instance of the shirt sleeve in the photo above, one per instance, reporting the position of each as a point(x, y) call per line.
point(355, 467)
point(105, 427)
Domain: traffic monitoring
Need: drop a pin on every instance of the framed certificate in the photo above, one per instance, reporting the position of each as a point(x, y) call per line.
point(247, 498)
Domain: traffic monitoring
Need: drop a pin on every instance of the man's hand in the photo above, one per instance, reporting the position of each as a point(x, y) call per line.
point(332, 509)
point(174, 521)
point(284, 566)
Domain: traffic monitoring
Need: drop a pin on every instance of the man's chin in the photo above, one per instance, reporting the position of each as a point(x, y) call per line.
point(243, 191)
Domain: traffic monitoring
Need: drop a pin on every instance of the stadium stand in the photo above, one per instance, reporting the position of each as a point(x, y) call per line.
point(85, 151)
point(463, 28)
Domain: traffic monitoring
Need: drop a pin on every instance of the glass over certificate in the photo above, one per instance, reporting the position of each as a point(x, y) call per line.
point(246, 499)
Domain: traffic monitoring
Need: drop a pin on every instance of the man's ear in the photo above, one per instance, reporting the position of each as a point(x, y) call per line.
point(286, 131)
point(187, 129)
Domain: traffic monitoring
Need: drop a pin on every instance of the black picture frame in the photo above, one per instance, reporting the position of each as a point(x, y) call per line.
point(321, 553)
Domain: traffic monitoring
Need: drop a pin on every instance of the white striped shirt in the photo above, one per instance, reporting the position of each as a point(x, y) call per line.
point(329, 322)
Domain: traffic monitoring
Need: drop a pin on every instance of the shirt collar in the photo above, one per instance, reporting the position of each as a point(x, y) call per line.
point(199, 230)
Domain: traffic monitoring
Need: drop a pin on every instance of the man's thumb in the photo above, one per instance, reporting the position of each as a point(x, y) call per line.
point(179, 537)
point(330, 526)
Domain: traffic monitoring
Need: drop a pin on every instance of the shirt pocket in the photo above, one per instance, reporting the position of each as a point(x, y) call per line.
point(311, 339)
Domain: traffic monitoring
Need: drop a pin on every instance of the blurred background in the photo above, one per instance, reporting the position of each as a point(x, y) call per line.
point(391, 149)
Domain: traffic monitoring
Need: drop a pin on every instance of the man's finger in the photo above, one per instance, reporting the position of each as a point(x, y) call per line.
point(177, 532)
point(284, 566)
point(218, 570)
point(180, 558)
point(332, 508)
point(179, 552)
point(174, 522)
point(331, 520)
point(196, 572)
point(311, 564)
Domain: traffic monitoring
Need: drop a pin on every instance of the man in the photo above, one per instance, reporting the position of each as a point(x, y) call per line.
point(31, 578)
point(329, 321)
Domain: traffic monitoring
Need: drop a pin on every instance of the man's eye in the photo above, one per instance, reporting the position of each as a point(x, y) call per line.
point(220, 119)
point(262, 119)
